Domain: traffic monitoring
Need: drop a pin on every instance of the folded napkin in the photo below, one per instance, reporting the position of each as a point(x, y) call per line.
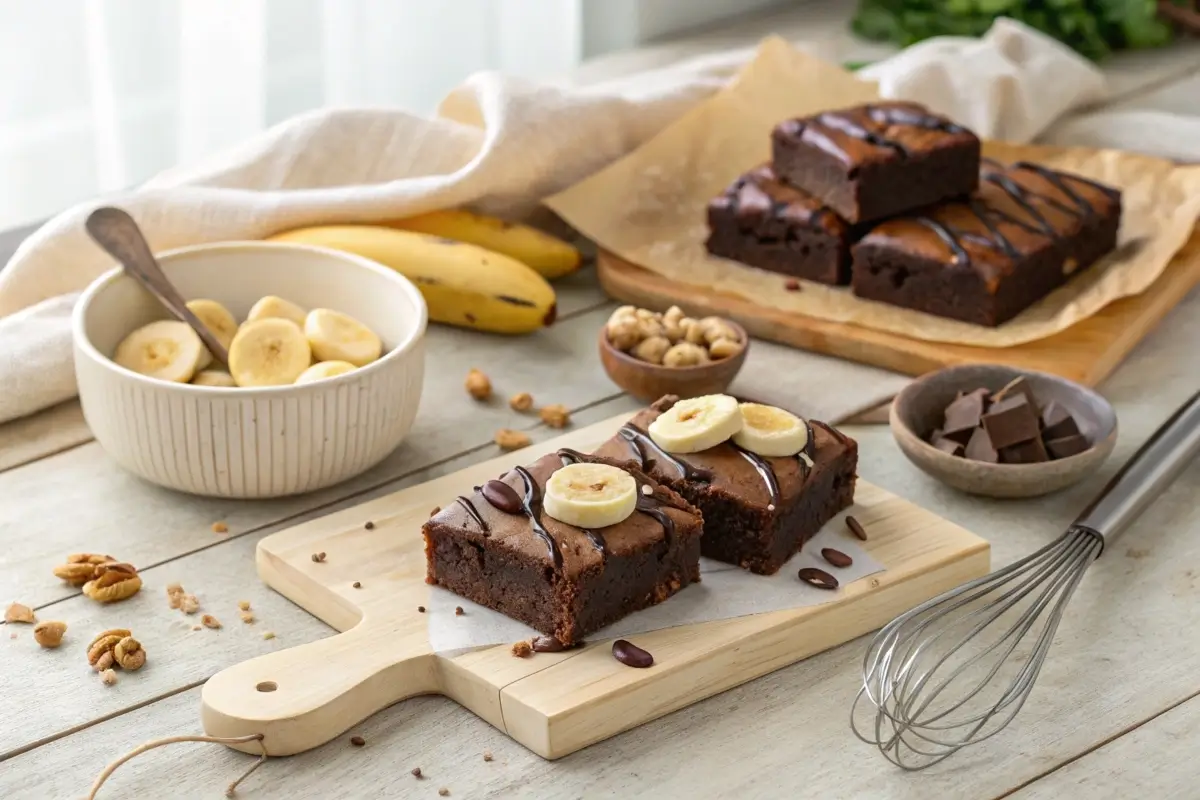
point(496, 143)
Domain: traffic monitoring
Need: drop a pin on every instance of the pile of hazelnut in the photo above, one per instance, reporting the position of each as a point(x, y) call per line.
point(670, 338)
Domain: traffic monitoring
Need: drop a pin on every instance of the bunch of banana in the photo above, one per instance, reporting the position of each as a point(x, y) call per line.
point(703, 422)
point(488, 288)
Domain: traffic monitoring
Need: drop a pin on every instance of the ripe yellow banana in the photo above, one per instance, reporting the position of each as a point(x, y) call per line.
point(550, 256)
point(463, 284)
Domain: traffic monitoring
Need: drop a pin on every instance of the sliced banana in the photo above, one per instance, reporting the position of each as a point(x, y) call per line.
point(335, 336)
point(325, 369)
point(217, 319)
point(590, 495)
point(167, 350)
point(770, 431)
point(276, 307)
point(268, 352)
point(213, 377)
point(696, 424)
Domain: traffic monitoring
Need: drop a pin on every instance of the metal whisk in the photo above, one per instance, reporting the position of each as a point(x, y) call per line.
point(956, 669)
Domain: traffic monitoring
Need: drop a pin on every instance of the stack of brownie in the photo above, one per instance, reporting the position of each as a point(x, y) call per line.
point(500, 549)
point(897, 202)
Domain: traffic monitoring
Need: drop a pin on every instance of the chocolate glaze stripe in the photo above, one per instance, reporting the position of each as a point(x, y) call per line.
point(1058, 181)
point(1018, 194)
point(533, 508)
point(961, 256)
point(639, 441)
point(886, 115)
point(472, 512)
point(765, 471)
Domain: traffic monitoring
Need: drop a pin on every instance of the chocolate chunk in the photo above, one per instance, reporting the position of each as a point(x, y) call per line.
point(1067, 446)
point(1057, 422)
point(948, 446)
point(963, 416)
point(1017, 385)
point(502, 497)
point(836, 557)
point(817, 577)
point(1011, 421)
point(856, 528)
point(1031, 452)
point(547, 644)
point(980, 448)
point(631, 655)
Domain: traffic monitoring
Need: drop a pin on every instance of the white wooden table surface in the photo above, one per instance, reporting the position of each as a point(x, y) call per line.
point(1114, 715)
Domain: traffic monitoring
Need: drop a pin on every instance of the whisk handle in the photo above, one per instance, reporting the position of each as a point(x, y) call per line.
point(1144, 476)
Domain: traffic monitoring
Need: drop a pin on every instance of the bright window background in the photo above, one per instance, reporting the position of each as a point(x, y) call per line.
point(97, 95)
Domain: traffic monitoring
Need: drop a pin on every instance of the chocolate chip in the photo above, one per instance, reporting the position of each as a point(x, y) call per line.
point(357, 741)
point(1067, 446)
point(1031, 452)
point(856, 528)
point(502, 497)
point(420, 609)
point(1011, 421)
point(357, 584)
point(818, 578)
point(547, 644)
point(369, 525)
point(792, 285)
point(631, 655)
point(980, 448)
point(1057, 422)
point(416, 772)
point(963, 415)
point(836, 557)
point(948, 446)
point(458, 611)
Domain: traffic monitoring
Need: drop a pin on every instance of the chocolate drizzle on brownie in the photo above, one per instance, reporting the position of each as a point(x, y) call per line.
point(639, 442)
point(888, 115)
point(472, 512)
point(532, 505)
point(765, 471)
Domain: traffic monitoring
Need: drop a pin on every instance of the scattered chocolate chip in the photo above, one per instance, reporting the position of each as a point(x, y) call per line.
point(357, 741)
point(458, 611)
point(836, 557)
point(502, 497)
point(416, 772)
point(631, 655)
point(792, 285)
point(420, 609)
point(318, 558)
point(357, 584)
point(818, 578)
point(856, 528)
point(547, 644)
point(487, 755)
point(369, 525)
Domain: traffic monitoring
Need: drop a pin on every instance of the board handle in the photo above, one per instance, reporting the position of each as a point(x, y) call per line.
point(303, 697)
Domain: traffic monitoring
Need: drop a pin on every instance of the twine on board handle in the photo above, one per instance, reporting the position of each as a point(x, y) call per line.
point(230, 790)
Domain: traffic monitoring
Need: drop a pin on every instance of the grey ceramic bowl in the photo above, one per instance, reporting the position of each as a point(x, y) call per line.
point(917, 411)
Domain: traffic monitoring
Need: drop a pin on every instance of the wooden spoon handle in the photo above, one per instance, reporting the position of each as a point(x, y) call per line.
point(115, 231)
point(305, 696)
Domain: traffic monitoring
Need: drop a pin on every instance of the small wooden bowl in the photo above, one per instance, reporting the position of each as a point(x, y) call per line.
point(917, 411)
point(648, 382)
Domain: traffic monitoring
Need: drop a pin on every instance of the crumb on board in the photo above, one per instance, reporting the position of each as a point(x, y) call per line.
point(220, 527)
point(369, 525)
point(458, 611)
point(444, 792)
point(197, 627)
point(318, 558)
point(357, 584)
point(420, 609)
point(522, 649)
point(209, 621)
point(416, 772)
point(268, 635)
point(487, 755)
point(108, 677)
point(357, 741)
point(244, 605)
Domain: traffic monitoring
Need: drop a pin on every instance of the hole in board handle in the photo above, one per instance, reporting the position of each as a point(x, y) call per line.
point(267, 686)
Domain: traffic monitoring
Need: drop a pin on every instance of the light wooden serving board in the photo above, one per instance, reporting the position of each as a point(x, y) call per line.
point(1086, 352)
point(553, 703)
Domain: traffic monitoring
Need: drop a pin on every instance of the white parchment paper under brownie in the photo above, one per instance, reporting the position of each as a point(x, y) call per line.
point(649, 207)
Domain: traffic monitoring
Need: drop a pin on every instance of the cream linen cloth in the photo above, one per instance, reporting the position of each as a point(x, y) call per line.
point(496, 143)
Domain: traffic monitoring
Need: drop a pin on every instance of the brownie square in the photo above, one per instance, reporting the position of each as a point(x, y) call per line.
point(763, 222)
point(987, 258)
point(561, 580)
point(876, 160)
point(758, 512)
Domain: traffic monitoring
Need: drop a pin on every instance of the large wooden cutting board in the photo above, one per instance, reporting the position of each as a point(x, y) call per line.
point(553, 704)
point(1086, 352)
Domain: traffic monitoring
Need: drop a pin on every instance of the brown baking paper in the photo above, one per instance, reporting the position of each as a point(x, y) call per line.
point(649, 207)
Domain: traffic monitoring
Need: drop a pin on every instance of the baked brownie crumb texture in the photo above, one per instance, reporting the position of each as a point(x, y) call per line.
point(563, 581)
point(758, 512)
point(985, 259)
point(872, 161)
point(763, 222)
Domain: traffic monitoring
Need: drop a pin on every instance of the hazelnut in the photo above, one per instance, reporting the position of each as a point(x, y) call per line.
point(651, 327)
point(718, 329)
point(645, 313)
point(685, 354)
point(624, 333)
point(624, 312)
point(723, 348)
point(522, 401)
point(49, 634)
point(673, 314)
point(652, 350)
point(508, 439)
point(693, 331)
point(556, 416)
point(478, 385)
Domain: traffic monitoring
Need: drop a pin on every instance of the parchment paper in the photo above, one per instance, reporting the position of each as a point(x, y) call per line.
point(649, 207)
point(724, 591)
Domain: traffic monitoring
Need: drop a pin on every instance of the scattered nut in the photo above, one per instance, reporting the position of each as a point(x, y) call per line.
point(188, 604)
point(209, 621)
point(522, 649)
point(49, 634)
point(652, 350)
point(268, 635)
point(104, 642)
point(357, 584)
point(114, 581)
point(685, 354)
point(174, 594)
point(416, 772)
point(509, 439)
point(108, 677)
point(18, 612)
point(487, 755)
point(556, 416)
point(80, 567)
point(247, 617)
point(104, 662)
point(458, 611)
point(522, 401)
point(318, 558)
point(723, 348)
point(220, 527)
point(243, 605)
point(444, 792)
point(478, 385)
point(357, 741)
point(623, 333)
point(129, 654)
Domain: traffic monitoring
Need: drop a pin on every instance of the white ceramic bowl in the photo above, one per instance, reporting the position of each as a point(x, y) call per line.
point(253, 443)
